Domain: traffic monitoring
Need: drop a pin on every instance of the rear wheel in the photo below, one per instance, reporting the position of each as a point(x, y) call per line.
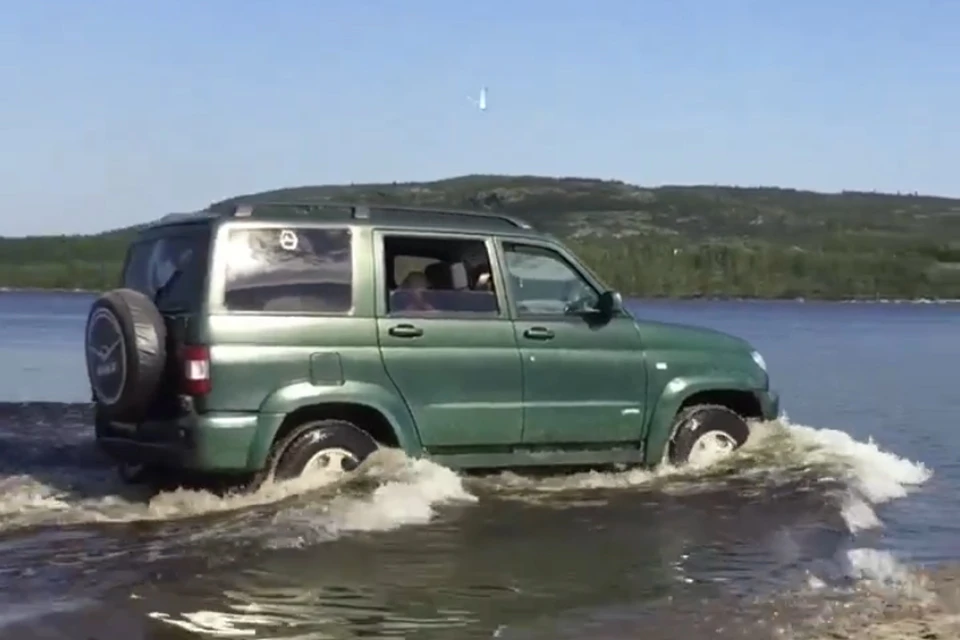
point(334, 448)
point(705, 434)
point(129, 472)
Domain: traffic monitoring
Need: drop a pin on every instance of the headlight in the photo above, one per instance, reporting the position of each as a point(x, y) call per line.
point(759, 360)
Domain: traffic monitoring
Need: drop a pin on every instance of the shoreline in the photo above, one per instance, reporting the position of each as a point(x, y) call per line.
point(691, 298)
point(45, 290)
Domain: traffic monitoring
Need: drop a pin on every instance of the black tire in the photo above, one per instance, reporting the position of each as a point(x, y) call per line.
point(125, 343)
point(694, 422)
point(293, 452)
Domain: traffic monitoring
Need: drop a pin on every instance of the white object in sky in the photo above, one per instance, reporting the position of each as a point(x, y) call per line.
point(481, 102)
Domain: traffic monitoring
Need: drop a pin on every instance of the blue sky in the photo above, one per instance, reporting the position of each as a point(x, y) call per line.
point(115, 112)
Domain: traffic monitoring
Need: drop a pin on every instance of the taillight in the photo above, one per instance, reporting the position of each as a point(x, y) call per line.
point(196, 370)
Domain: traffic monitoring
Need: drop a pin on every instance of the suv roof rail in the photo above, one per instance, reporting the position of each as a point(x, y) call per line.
point(183, 217)
point(361, 211)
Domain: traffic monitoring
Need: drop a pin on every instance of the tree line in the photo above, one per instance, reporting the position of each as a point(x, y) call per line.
point(645, 266)
point(763, 270)
point(716, 241)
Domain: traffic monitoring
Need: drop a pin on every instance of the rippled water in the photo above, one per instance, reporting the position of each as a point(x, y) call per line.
point(851, 521)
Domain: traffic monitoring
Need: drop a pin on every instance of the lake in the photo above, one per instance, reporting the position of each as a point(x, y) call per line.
point(845, 515)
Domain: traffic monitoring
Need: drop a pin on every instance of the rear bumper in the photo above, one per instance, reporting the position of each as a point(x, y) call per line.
point(209, 442)
point(769, 404)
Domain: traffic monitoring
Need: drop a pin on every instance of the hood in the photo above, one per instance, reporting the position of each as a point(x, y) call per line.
point(669, 335)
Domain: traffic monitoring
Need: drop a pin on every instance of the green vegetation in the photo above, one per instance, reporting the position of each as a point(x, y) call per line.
point(664, 241)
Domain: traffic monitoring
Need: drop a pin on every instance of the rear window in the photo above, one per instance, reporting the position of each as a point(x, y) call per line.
point(176, 261)
point(289, 270)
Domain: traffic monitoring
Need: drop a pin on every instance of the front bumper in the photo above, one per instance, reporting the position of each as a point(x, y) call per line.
point(216, 442)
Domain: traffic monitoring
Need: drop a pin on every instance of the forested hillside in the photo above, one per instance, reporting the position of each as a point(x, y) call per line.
point(663, 241)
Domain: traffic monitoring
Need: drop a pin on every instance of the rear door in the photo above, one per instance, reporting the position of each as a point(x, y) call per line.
point(172, 261)
point(446, 340)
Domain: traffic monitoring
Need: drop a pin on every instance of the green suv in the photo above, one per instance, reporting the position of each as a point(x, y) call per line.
point(273, 339)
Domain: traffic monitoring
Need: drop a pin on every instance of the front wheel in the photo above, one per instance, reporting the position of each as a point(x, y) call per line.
point(705, 434)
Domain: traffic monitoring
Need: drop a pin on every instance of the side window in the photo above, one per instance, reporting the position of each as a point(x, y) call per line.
point(436, 276)
point(289, 270)
point(176, 262)
point(544, 283)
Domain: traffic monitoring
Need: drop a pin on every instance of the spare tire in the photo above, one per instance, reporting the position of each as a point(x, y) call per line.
point(126, 353)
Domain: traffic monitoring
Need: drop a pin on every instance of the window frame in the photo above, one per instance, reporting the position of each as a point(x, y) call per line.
point(381, 291)
point(565, 256)
point(219, 262)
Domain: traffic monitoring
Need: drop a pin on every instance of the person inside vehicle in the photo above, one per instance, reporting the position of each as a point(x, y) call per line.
point(414, 286)
point(483, 282)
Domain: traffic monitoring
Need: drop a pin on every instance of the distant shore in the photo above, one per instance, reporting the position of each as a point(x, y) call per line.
point(45, 290)
point(800, 300)
point(707, 242)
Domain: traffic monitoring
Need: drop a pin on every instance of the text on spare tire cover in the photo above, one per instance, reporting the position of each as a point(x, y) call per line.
point(106, 356)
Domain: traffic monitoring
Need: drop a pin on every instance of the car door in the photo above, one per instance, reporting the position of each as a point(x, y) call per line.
point(584, 379)
point(456, 364)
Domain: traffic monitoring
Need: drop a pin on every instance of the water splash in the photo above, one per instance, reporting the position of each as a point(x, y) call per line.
point(777, 452)
point(392, 490)
point(389, 490)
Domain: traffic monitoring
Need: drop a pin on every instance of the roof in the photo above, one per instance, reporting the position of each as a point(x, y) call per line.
point(419, 218)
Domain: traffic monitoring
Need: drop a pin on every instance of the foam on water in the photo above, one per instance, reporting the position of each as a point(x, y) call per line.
point(418, 487)
point(403, 490)
point(776, 450)
point(392, 490)
point(221, 625)
point(872, 476)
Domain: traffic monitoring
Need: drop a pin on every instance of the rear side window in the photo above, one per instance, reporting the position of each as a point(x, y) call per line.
point(438, 276)
point(176, 261)
point(289, 270)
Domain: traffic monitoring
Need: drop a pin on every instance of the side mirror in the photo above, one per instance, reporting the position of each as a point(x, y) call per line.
point(609, 303)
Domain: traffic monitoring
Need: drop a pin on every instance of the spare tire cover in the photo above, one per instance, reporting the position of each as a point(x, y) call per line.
point(126, 353)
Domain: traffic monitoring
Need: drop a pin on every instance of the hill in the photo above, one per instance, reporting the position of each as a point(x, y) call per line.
point(580, 207)
point(667, 240)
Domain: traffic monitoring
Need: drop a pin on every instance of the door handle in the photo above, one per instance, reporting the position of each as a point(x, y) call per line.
point(538, 333)
point(406, 331)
